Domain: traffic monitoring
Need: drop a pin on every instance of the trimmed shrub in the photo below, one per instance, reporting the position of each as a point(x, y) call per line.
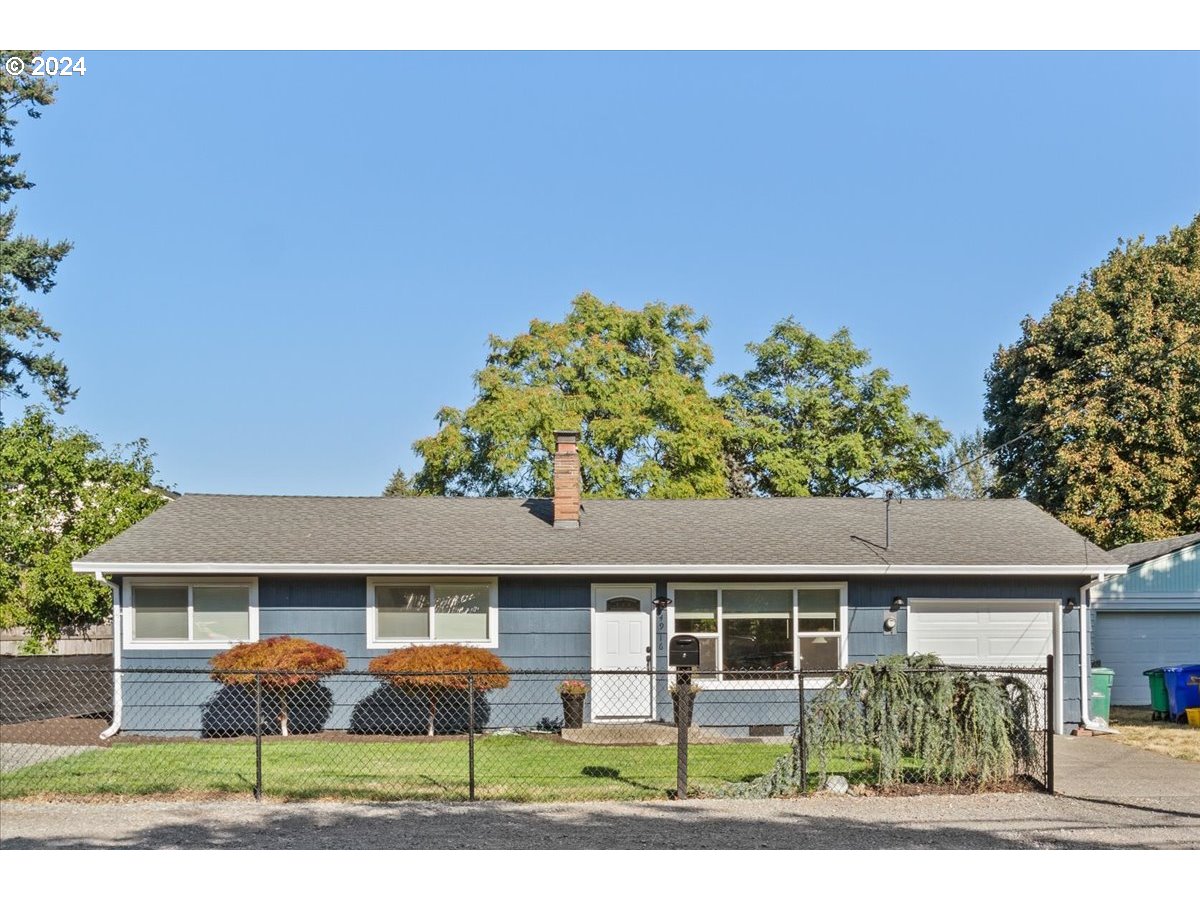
point(437, 671)
point(285, 663)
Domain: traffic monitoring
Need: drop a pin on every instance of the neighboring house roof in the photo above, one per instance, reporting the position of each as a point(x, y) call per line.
point(1135, 554)
point(220, 533)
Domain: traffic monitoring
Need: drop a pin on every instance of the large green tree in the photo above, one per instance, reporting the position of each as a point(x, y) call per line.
point(631, 380)
point(811, 417)
point(27, 264)
point(1094, 411)
point(60, 495)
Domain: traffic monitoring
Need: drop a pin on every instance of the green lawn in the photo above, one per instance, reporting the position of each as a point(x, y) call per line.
point(510, 767)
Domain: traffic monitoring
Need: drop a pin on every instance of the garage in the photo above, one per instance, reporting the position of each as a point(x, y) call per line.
point(997, 633)
point(987, 633)
point(1129, 643)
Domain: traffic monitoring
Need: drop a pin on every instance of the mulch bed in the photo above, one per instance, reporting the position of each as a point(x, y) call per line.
point(65, 731)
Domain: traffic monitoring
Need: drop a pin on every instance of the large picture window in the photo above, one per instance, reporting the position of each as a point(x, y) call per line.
point(162, 613)
point(401, 612)
point(762, 632)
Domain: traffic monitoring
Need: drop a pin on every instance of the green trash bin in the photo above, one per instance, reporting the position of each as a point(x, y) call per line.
point(1101, 693)
point(1160, 703)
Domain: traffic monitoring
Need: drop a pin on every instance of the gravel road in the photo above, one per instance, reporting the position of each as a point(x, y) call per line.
point(982, 821)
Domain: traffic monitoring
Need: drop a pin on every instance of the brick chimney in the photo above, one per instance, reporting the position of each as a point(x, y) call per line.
point(567, 482)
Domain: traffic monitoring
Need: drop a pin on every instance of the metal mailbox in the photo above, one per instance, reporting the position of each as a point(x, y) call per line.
point(684, 652)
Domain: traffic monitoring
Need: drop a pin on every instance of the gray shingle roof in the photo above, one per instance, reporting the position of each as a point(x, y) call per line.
point(1132, 554)
point(219, 530)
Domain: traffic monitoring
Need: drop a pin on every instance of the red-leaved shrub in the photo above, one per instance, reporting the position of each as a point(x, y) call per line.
point(284, 663)
point(435, 670)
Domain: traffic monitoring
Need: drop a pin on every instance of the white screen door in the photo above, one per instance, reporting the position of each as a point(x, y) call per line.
point(621, 639)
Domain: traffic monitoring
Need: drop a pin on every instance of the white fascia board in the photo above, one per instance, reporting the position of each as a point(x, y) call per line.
point(666, 569)
point(1158, 603)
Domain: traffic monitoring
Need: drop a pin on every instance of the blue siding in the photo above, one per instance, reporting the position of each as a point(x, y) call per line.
point(545, 624)
point(1175, 574)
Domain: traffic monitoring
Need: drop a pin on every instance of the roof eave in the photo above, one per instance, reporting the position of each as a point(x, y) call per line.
point(662, 569)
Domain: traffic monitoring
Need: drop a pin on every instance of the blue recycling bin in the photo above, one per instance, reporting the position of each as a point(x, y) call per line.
point(1182, 691)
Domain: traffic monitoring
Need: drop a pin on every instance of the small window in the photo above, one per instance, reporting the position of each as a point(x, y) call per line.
point(206, 614)
point(460, 612)
point(160, 613)
point(622, 604)
point(401, 613)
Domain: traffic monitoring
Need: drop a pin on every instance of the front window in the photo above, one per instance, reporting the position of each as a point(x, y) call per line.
point(415, 612)
point(762, 632)
point(207, 614)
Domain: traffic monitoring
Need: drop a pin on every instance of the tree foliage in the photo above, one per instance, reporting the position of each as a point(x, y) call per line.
point(27, 264)
point(968, 468)
point(1093, 412)
point(399, 485)
point(61, 494)
point(437, 671)
point(286, 663)
point(810, 418)
point(631, 380)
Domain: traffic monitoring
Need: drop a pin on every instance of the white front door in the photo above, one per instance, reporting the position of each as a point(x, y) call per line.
point(622, 640)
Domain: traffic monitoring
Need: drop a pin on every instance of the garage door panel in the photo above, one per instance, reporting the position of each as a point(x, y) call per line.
point(956, 650)
point(1129, 643)
point(1032, 646)
point(976, 633)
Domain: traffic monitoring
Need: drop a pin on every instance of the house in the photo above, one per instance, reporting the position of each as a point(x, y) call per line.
point(568, 584)
point(1150, 616)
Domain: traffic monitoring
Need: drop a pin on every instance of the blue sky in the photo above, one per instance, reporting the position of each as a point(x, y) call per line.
point(286, 263)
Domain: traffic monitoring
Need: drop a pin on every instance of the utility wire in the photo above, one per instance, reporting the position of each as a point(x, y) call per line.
point(1040, 425)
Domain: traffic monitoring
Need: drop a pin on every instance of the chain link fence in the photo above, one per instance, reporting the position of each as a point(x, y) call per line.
point(531, 735)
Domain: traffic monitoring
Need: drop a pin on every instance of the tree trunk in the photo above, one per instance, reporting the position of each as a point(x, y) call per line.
point(283, 713)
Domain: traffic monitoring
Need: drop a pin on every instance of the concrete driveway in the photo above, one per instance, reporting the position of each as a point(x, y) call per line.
point(1112, 796)
point(1103, 771)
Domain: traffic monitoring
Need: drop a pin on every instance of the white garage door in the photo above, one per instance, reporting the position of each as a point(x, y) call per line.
point(1130, 643)
point(982, 632)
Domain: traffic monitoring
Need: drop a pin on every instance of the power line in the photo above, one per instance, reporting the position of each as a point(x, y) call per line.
point(1040, 425)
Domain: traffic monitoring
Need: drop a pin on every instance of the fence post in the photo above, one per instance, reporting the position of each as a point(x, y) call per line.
point(683, 718)
point(258, 738)
point(801, 736)
point(1050, 717)
point(470, 736)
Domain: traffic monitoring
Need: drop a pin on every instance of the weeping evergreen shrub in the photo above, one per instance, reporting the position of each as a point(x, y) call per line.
point(912, 717)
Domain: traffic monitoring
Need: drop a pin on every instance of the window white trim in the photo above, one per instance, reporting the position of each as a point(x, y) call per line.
point(128, 641)
point(375, 642)
point(795, 587)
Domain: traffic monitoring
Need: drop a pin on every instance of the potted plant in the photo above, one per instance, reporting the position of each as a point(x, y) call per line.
point(572, 694)
point(683, 698)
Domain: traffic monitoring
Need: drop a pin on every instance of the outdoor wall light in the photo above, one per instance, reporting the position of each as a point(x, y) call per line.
point(897, 603)
point(661, 603)
point(1069, 604)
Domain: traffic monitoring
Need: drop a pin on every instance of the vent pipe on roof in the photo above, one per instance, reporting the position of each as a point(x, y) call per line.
point(567, 479)
point(887, 518)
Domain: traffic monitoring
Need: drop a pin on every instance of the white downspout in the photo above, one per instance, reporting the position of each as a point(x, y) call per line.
point(1085, 660)
point(118, 635)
